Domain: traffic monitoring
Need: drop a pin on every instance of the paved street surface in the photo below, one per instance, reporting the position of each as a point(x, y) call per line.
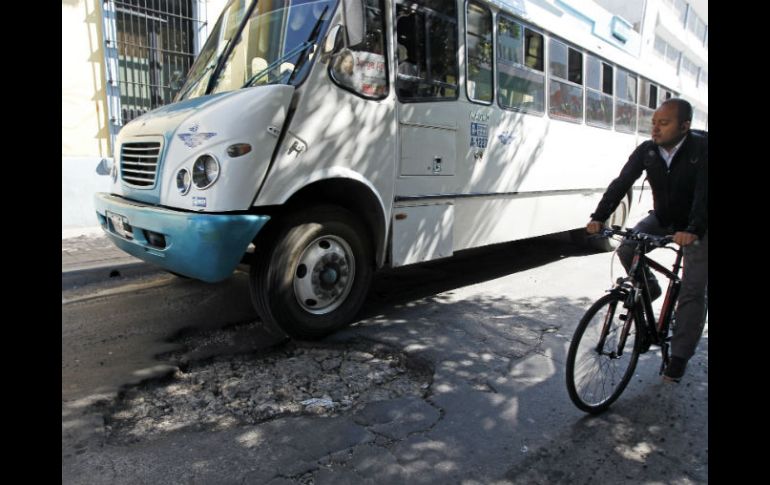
point(454, 374)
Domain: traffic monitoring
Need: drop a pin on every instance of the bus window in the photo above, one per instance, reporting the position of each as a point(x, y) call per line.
point(565, 94)
point(533, 48)
point(520, 77)
point(648, 101)
point(269, 49)
point(479, 51)
point(426, 34)
point(663, 94)
point(598, 100)
point(625, 102)
point(361, 68)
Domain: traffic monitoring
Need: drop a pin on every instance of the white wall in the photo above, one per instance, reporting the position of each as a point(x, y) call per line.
point(85, 133)
point(79, 182)
point(83, 106)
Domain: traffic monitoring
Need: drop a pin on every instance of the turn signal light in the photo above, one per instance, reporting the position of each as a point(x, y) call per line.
point(238, 149)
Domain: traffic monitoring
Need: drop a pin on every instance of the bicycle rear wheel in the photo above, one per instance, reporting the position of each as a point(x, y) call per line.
point(602, 355)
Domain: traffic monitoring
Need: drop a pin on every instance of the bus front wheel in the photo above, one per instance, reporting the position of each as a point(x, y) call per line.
point(315, 275)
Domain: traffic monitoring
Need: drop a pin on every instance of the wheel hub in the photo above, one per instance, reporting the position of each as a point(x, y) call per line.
point(324, 275)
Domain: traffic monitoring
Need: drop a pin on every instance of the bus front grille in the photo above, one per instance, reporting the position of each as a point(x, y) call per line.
point(139, 163)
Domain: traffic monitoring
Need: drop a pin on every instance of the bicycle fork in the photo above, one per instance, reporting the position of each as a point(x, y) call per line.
point(627, 319)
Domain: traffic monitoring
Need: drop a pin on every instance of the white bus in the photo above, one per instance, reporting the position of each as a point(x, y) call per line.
point(320, 140)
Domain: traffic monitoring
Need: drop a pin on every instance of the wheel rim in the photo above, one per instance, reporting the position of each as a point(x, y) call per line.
point(324, 275)
point(600, 377)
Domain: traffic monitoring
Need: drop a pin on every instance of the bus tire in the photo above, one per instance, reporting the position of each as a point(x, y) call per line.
point(315, 274)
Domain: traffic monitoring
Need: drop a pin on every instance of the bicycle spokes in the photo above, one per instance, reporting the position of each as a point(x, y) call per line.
point(601, 357)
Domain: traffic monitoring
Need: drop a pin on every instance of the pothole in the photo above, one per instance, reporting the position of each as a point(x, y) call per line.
point(297, 379)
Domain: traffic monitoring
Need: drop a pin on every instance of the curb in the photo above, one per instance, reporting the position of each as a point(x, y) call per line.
point(82, 276)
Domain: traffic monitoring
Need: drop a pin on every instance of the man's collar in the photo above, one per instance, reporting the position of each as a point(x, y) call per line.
point(676, 147)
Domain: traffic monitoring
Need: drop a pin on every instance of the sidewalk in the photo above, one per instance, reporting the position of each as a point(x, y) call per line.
point(88, 256)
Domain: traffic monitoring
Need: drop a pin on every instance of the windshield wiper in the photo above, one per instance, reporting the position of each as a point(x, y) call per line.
point(311, 40)
point(211, 66)
point(276, 63)
point(184, 93)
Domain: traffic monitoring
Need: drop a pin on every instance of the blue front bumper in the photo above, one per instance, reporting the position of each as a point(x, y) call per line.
point(207, 247)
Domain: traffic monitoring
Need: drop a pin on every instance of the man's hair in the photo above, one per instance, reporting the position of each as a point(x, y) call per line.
point(683, 109)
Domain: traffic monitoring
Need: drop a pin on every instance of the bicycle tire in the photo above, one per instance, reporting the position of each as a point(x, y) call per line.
point(596, 379)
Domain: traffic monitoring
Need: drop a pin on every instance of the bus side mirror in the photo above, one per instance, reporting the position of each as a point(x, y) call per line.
point(104, 167)
point(354, 15)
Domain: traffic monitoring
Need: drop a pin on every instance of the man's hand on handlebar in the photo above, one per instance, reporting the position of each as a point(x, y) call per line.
point(683, 238)
point(594, 227)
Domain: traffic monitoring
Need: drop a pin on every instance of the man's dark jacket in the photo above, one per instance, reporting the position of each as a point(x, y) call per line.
point(680, 193)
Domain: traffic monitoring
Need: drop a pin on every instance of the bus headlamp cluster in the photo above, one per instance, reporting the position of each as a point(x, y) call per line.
point(205, 172)
point(183, 181)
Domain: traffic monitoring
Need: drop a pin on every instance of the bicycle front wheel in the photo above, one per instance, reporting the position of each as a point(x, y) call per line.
point(602, 355)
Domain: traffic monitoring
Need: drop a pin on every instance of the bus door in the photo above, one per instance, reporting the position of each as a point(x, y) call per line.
point(427, 91)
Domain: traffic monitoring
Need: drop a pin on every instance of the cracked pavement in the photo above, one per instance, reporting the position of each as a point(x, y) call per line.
point(454, 377)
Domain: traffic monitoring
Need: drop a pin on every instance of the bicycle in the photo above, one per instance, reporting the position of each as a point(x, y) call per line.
point(621, 325)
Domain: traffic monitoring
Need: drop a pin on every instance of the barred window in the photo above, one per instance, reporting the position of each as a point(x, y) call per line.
point(156, 45)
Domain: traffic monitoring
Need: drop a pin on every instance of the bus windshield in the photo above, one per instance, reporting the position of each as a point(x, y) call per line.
point(275, 46)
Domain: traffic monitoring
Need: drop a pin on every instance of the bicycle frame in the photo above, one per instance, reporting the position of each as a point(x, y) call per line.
point(639, 267)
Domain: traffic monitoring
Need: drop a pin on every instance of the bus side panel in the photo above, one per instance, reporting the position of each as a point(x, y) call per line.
point(422, 233)
point(518, 217)
point(335, 131)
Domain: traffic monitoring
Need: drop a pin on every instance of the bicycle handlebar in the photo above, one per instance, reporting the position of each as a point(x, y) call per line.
point(658, 241)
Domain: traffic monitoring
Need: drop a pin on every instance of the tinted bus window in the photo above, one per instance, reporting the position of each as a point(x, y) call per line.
point(426, 34)
point(520, 60)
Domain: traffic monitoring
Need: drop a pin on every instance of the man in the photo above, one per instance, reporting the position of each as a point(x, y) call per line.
point(676, 161)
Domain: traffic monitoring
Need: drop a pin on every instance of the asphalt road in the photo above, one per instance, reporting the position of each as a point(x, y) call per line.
point(454, 374)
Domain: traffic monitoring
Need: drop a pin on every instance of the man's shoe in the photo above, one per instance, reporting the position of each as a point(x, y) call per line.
point(675, 369)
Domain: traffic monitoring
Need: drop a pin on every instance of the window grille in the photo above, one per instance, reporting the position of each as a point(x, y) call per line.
point(149, 47)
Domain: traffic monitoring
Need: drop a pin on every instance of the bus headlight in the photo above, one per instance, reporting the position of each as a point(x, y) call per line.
point(183, 181)
point(205, 171)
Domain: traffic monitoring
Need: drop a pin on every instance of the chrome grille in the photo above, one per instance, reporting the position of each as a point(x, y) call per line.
point(139, 163)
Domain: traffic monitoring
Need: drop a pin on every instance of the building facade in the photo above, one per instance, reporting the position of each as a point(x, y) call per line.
point(120, 59)
point(676, 33)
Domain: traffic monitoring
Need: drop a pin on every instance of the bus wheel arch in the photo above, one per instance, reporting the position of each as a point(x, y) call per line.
point(352, 195)
point(317, 258)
